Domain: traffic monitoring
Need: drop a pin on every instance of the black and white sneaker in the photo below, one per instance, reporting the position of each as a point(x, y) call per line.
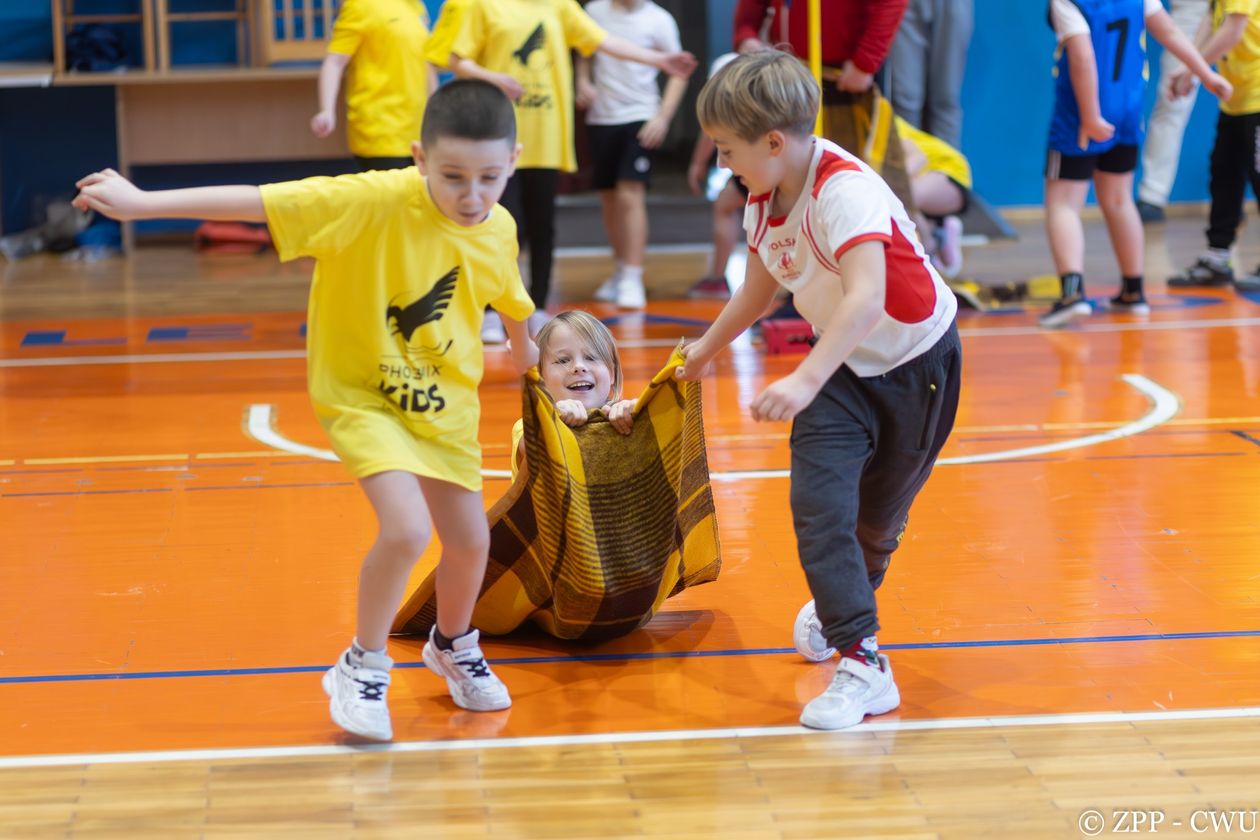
point(1204, 273)
point(356, 695)
point(1133, 304)
point(472, 684)
point(1065, 312)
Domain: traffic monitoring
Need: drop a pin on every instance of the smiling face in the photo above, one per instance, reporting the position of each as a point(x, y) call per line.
point(466, 177)
point(572, 368)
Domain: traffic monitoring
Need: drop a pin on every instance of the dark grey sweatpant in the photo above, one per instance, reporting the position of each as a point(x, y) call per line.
point(861, 452)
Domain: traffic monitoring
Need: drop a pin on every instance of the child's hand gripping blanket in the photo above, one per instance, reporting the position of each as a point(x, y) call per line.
point(600, 528)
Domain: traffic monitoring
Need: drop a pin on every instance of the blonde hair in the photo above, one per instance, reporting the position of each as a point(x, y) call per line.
point(758, 93)
point(593, 334)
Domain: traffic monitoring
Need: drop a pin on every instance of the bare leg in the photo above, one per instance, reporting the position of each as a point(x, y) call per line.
point(727, 223)
point(612, 223)
point(631, 202)
point(1066, 234)
point(460, 517)
point(403, 532)
point(936, 195)
point(1124, 225)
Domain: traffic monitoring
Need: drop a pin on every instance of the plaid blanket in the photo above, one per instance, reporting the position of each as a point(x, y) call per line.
point(601, 528)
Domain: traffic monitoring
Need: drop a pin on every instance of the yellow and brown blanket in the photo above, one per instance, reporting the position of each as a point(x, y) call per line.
point(601, 527)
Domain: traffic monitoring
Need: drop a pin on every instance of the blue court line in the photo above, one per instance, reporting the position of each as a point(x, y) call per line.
point(1240, 433)
point(633, 657)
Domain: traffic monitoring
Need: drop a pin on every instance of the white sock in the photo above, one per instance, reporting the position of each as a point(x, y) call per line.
point(632, 274)
point(1218, 256)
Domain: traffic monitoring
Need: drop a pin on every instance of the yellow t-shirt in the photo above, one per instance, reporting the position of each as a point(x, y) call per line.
point(387, 82)
point(1241, 65)
point(530, 41)
point(438, 49)
point(394, 354)
point(941, 157)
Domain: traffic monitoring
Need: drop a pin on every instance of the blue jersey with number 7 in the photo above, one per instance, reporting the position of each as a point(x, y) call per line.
point(1117, 29)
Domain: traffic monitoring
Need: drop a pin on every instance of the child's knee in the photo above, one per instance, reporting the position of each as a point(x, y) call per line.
point(404, 541)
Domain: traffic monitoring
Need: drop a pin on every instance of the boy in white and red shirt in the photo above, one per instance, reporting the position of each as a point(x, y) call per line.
point(874, 400)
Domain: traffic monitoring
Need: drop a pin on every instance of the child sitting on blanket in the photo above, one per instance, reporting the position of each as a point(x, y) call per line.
point(579, 366)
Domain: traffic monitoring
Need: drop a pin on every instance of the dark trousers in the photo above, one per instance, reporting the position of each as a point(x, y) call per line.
point(531, 199)
point(367, 164)
point(1235, 161)
point(861, 452)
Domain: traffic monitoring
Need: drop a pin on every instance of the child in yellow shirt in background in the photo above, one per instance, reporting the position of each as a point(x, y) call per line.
point(406, 261)
point(523, 46)
point(1230, 36)
point(940, 181)
point(382, 42)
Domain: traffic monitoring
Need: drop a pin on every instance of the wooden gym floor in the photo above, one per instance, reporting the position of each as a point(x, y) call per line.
point(1073, 617)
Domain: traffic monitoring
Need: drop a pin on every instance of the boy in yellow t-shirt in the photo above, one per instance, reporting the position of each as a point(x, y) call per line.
point(522, 46)
point(1230, 36)
point(382, 42)
point(406, 261)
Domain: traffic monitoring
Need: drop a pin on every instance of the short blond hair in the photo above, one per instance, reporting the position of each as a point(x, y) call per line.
point(768, 90)
point(592, 333)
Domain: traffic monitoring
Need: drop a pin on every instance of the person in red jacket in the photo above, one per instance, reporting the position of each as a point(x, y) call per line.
point(857, 35)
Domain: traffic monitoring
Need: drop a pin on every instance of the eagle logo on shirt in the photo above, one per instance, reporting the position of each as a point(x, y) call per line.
point(532, 44)
point(405, 320)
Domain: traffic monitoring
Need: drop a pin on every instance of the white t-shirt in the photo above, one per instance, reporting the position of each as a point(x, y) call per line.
point(1068, 20)
point(626, 91)
point(847, 204)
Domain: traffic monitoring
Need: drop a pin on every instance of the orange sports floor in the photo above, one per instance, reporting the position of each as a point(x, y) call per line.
point(171, 582)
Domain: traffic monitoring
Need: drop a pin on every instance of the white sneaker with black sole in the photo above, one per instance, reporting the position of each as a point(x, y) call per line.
point(472, 684)
point(356, 695)
point(807, 634)
point(857, 690)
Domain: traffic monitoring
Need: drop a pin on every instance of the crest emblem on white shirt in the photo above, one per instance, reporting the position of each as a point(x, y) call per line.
point(786, 266)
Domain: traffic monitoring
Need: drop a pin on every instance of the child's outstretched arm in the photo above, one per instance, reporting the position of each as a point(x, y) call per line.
point(863, 272)
point(678, 64)
point(330, 73)
point(1222, 41)
point(740, 313)
point(1083, 70)
point(114, 196)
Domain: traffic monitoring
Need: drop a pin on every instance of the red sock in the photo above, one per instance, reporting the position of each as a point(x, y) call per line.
point(865, 651)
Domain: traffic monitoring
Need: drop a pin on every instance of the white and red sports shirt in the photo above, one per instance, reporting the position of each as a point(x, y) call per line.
point(846, 204)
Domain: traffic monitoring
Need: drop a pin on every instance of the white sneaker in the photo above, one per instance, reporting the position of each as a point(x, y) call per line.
point(807, 633)
point(856, 691)
point(472, 684)
point(607, 291)
point(492, 329)
point(630, 294)
point(356, 696)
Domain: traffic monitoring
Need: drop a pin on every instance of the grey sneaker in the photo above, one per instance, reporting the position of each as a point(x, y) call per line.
point(472, 684)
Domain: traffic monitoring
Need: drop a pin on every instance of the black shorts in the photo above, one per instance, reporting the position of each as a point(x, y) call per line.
point(1118, 160)
point(617, 156)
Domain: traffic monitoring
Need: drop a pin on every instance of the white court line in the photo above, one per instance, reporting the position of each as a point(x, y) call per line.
point(629, 343)
point(248, 753)
point(260, 426)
